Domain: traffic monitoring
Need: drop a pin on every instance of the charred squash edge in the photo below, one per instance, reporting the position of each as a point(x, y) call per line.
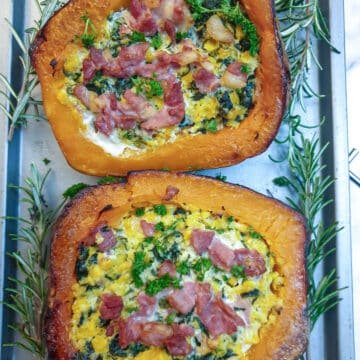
point(282, 227)
point(226, 147)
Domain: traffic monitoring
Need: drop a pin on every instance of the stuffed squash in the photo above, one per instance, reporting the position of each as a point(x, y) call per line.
point(176, 266)
point(152, 84)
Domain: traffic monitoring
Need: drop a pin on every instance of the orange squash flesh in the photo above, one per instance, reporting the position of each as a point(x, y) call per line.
point(282, 227)
point(226, 147)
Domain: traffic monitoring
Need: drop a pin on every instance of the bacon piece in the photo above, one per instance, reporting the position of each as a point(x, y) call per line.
point(109, 239)
point(147, 25)
point(162, 119)
point(147, 228)
point(173, 94)
point(173, 111)
point(125, 122)
point(205, 81)
point(245, 306)
point(201, 240)
point(139, 105)
point(111, 306)
point(177, 344)
point(86, 96)
point(104, 123)
point(171, 191)
point(137, 8)
point(129, 331)
point(233, 77)
point(89, 70)
point(169, 28)
point(218, 317)
point(110, 329)
point(253, 262)
point(203, 294)
point(183, 300)
point(146, 305)
point(154, 333)
point(97, 57)
point(132, 56)
point(167, 267)
point(221, 255)
point(218, 31)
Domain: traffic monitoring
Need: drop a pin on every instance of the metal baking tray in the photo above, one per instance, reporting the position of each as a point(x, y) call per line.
point(332, 337)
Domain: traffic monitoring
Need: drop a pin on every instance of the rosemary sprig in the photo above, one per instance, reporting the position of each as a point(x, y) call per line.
point(28, 296)
point(302, 23)
point(17, 105)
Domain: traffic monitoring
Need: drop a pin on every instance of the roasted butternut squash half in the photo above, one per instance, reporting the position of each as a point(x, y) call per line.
point(177, 266)
point(153, 84)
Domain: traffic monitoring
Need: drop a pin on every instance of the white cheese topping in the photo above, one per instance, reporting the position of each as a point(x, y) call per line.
point(110, 144)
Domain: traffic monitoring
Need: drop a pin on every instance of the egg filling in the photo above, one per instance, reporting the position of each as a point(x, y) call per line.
point(216, 76)
point(173, 282)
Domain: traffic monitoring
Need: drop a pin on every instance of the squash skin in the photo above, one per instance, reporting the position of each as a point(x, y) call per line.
point(282, 227)
point(226, 147)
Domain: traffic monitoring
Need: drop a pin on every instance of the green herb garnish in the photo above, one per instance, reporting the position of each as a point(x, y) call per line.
point(138, 267)
point(137, 37)
point(161, 283)
point(212, 126)
point(89, 35)
point(139, 212)
point(160, 209)
point(183, 268)
point(170, 318)
point(156, 41)
point(254, 234)
point(160, 226)
point(233, 14)
point(181, 36)
point(74, 189)
point(201, 266)
point(221, 177)
point(109, 180)
point(147, 87)
point(238, 271)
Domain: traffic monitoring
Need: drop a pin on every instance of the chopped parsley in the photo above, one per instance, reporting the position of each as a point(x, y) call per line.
point(161, 283)
point(160, 209)
point(181, 36)
point(212, 126)
point(221, 177)
point(46, 161)
point(201, 266)
point(254, 234)
point(139, 212)
point(238, 271)
point(147, 87)
point(74, 189)
point(137, 37)
point(138, 267)
point(170, 318)
point(233, 14)
point(156, 41)
point(230, 219)
point(160, 226)
point(109, 180)
point(89, 35)
point(183, 268)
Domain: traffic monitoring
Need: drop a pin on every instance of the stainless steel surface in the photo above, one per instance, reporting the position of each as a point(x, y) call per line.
point(354, 164)
point(352, 31)
point(333, 336)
